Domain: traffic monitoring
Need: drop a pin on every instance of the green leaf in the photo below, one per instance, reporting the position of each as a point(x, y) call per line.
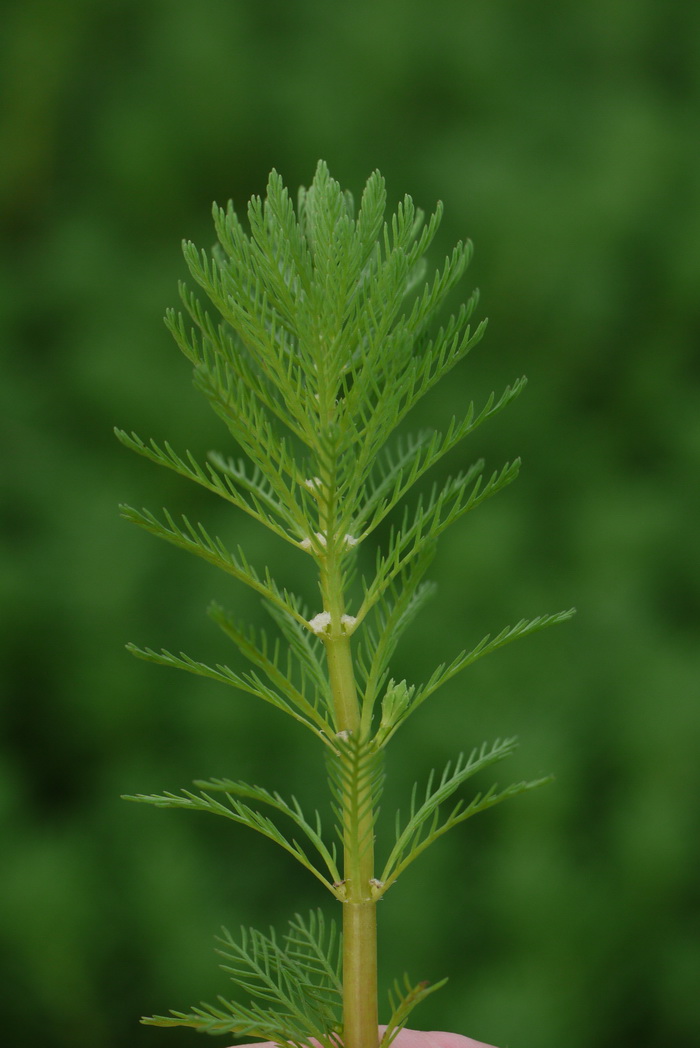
point(442, 509)
point(426, 822)
point(416, 455)
point(195, 539)
point(370, 217)
point(252, 427)
point(244, 815)
point(228, 1017)
point(254, 645)
point(356, 777)
point(300, 976)
point(486, 645)
point(318, 951)
point(267, 509)
point(392, 390)
point(297, 979)
point(237, 348)
point(305, 645)
point(313, 832)
point(247, 682)
point(262, 492)
point(402, 602)
point(402, 1001)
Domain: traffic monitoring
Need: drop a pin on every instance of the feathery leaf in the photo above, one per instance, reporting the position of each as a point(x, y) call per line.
point(402, 1001)
point(425, 822)
point(195, 539)
point(356, 777)
point(299, 977)
point(244, 815)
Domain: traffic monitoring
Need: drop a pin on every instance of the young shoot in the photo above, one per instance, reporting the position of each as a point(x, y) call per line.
point(313, 334)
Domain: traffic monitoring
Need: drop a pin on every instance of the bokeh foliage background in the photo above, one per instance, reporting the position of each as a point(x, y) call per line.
point(562, 138)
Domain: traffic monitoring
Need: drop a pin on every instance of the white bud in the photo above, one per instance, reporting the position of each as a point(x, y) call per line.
point(347, 621)
point(320, 623)
point(350, 541)
point(307, 544)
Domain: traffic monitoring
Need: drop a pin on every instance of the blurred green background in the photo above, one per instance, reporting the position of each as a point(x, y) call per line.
point(563, 138)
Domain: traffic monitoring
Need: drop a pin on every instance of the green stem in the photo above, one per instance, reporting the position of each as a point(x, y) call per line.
point(359, 908)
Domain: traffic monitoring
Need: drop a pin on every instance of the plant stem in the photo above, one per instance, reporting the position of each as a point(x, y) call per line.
point(359, 908)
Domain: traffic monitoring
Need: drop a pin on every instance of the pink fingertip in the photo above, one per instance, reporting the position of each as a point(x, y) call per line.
point(407, 1039)
point(433, 1039)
